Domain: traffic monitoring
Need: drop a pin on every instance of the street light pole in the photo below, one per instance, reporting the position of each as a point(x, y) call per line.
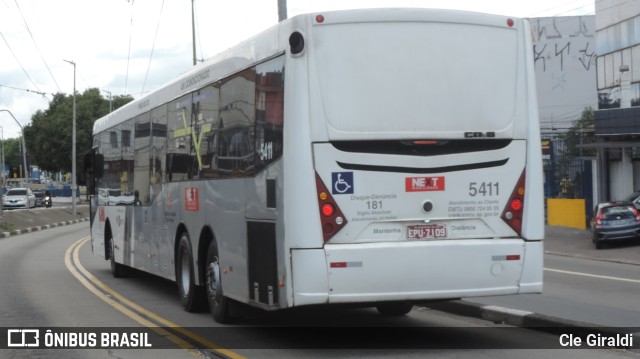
point(24, 158)
point(24, 148)
point(1, 202)
point(2, 156)
point(73, 147)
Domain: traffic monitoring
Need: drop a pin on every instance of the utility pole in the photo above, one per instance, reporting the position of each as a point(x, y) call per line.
point(73, 147)
point(193, 32)
point(110, 102)
point(282, 10)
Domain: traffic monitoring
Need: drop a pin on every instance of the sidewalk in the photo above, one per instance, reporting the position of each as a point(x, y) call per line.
point(562, 241)
point(19, 221)
point(573, 242)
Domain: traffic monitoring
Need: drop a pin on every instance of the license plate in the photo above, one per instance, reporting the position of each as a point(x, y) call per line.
point(427, 231)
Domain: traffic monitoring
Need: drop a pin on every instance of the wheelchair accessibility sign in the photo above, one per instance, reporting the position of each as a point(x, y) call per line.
point(341, 182)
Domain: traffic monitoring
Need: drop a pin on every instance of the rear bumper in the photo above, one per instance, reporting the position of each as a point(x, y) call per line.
point(372, 272)
point(616, 234)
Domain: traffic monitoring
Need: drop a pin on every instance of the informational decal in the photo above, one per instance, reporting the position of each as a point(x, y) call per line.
point(474, 208)
point(382, 231)
point(191, 199)
point(374, 207)
point(342, 183)
point(424, 184)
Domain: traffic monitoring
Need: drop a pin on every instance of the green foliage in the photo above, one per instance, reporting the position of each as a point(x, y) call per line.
point(49, 135)
point(582, 132)
point(13, 153)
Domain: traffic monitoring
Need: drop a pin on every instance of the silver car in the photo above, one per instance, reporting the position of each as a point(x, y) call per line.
point(19, 198)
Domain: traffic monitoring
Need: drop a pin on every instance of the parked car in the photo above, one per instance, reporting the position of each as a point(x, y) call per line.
point(635, 199)
point(19, 198)
point(614, 221)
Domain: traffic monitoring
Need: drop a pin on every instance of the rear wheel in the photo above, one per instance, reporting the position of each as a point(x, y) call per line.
point(191, 295)
point(218, 303)
point(394, 308)
point(117, 270)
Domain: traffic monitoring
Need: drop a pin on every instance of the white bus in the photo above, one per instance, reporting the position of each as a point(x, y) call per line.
point(382, 157)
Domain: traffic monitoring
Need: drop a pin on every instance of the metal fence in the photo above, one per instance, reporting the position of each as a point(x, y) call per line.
point(568, 171)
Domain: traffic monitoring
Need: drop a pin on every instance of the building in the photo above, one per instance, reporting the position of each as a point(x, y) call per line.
point(565, 64)
point(617, 120)
point(565, 52)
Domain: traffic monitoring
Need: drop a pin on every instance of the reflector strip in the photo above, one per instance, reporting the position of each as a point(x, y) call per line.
point(510, 257)
point(345, 264)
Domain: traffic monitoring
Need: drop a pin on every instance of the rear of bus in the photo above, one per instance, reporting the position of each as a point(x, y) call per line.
point(426, 157)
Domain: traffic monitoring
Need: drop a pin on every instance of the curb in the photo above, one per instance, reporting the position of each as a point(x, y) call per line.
point(583, 256)
point(39, 228)
point(522, 318)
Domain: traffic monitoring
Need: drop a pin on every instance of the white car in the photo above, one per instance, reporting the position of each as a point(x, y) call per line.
point(19, 198)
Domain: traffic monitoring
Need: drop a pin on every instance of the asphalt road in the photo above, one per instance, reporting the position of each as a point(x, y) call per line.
point(591, 291)
point(42, 286)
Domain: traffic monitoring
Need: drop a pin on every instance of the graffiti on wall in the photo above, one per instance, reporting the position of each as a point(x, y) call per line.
point(565, 61)
point(561, 50)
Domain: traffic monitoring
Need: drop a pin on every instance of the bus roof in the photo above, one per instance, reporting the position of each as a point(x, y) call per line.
point(274, 41)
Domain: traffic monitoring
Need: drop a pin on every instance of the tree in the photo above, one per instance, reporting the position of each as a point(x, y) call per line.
point(13, 155)
point(48, 136)
point(569, 163)
point(581, 132)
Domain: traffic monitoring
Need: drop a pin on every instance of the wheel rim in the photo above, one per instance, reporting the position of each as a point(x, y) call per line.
point(185, 273)
point(213, 281)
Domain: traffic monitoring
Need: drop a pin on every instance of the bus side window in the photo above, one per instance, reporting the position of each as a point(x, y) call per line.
point(237, 124)
point(269, 112)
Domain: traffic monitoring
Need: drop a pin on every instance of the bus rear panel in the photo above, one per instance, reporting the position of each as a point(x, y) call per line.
point(426, 159)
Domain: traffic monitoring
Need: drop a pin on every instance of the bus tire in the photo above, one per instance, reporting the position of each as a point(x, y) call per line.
point(394, 308)
point(191, 295)
point(117, 270)
point(219, 305)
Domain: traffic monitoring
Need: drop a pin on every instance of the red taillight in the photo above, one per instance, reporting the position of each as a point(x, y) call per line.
point(516, 204)
point(599, 221)
point(513, 213)
point(327, 210)
point(635, 213)
point(425, 142)
point(331, 217)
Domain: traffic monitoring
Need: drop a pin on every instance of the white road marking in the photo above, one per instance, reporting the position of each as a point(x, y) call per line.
point(593, 275)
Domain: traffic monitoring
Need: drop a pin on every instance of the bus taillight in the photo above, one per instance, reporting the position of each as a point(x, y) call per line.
point(513, 212)
point(327, 210)
point(331, 216)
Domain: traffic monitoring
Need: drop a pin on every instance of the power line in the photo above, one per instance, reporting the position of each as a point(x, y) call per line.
point(562, 5)
point(43, 94)
point(19, 63)
point(126, 79)
point(153, 46)
point(36, 45)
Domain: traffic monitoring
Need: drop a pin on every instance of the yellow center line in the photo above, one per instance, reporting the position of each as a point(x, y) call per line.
point(99, 288)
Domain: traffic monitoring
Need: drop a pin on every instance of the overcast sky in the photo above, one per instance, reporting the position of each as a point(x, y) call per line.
point(111, 41)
